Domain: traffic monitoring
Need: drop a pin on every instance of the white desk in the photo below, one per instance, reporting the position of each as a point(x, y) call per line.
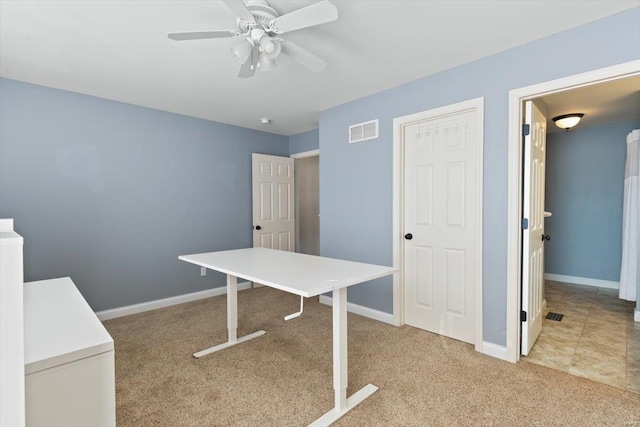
point(303, 275)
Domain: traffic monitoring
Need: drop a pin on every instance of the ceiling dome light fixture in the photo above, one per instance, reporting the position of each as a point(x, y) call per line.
point(567, 121)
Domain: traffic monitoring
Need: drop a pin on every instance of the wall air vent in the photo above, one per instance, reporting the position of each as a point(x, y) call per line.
point(363, 131)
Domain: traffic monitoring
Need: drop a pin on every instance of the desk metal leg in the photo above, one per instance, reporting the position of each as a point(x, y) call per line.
point(232, 320)
point(340, 365)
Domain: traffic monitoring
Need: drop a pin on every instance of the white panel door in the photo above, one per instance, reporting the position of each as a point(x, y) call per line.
point(441, 208)
point(273, 204)
point(535, 148)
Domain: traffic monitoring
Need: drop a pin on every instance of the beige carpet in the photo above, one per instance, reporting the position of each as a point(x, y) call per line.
point(284, 378)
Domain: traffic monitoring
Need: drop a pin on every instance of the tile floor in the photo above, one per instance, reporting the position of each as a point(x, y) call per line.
point(596, 339)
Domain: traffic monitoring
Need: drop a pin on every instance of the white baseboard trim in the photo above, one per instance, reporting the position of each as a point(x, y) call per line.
point(490, 349)
point(494, 350)
point(362, 310)
point(609, 284)
point(636, 315)
point(165, 302)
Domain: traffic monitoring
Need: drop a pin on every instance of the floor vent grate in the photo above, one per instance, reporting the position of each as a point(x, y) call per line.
point(554, 316)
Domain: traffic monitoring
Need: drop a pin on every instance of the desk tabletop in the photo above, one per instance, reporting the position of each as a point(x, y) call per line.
point(300, 274)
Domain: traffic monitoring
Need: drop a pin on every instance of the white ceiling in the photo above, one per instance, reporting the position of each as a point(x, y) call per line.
point(614, 101)
point(119, 50)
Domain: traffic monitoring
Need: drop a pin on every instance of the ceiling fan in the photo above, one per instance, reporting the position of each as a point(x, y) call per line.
point(260, 26)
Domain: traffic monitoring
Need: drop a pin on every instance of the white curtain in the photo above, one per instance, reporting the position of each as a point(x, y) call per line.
point(629, 272)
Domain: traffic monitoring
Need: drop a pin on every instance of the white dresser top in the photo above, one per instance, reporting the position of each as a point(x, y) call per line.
point(8, 236)
point(59, 325)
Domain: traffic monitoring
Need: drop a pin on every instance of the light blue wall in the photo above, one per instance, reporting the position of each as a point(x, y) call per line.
point(356, 179)
point(306, 141)
point(110, 193)
point(584, 191)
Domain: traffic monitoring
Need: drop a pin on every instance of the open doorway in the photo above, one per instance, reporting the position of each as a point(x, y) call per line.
point(586, 329)
point(307, 206)
point(584, 180)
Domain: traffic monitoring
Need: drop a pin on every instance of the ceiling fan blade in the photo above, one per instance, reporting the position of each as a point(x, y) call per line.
point(309, 16)
point(196, 35)
point(240, 9)
point(248, 69)
point(303, 56)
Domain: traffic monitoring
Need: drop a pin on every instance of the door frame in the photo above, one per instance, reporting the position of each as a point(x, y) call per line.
point(514, 179)
point(399, 123)
point(302, 155)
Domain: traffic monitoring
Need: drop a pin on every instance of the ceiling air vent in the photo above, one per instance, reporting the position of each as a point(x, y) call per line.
point(363, 131)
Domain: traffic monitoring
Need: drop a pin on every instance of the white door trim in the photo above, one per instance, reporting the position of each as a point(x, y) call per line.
point(399, 124)
point(514, 180)
point(304, 154)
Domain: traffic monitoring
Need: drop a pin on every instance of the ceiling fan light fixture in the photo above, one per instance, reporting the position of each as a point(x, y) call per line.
point(567, 121)
point(270, 47)
point(242, 50)
point(266, 63)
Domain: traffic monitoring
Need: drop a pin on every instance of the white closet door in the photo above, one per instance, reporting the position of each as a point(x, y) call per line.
point(441, 206)
point(273, 204)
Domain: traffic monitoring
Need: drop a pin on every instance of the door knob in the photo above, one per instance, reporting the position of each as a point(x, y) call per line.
point(258, 227)
point(546, 237)
point(408, 236)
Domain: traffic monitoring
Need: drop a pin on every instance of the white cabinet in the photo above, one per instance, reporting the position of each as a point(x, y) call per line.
point(69, 358)
point(11, 327)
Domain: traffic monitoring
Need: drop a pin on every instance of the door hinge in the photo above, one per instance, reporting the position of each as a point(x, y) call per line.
point(523, 316)
point(525, 223)
point(526, 130)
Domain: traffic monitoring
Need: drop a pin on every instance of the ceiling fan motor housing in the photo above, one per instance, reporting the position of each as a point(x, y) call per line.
point(261, 33)
point(262, 12)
